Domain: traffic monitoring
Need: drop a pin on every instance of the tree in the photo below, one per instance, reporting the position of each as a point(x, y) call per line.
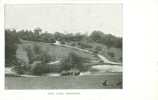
point(47, 37)
point(30, 54)
point(98, 49)
point(36, 54)
point(11, 43)
point(97, 36)
point(106, 39)
point(45, 58)
point(37, 32)
point(58, 36)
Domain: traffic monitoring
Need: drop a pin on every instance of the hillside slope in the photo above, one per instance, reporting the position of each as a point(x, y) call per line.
point(55, 51)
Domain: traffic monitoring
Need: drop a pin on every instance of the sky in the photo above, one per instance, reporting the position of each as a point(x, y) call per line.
point(67, 18)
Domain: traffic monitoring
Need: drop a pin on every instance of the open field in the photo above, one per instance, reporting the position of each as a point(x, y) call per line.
point(65, 82)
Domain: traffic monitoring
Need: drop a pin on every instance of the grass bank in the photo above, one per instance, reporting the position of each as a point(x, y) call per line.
point(65, 82)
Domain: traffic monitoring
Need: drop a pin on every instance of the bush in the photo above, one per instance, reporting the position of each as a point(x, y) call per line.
point(73, 61)
point(39, 69)
point(97, 49)
point(54, 68)
point(36, 54)
point(45, 58)
point(20, 67)
point(73, 44)
point(111, 54)
point(84, 45)
point(62, 42)
point(30, 54)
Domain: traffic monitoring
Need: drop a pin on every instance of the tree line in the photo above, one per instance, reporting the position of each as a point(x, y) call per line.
point(37, 35)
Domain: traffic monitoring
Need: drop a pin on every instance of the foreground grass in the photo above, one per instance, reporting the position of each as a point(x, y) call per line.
point(65, 82)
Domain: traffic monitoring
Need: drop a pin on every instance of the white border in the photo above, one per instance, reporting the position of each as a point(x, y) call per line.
point(140, 55)
point(63, 91)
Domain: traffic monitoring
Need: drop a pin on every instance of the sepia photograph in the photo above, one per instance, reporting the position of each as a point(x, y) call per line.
point(63, 46)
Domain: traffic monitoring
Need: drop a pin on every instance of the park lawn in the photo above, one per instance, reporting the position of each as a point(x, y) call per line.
point(65, 82)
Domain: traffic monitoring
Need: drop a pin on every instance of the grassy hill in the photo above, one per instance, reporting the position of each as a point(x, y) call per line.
point(56, 52)
point(106, 45)
point(113, 54)
point(50, 53)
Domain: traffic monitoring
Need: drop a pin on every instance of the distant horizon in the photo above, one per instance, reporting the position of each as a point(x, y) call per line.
point(43, 31)
point(73, 18)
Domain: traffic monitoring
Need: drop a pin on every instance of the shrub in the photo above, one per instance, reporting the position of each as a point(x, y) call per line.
point(39, 69)
point(20, 67)
point(84, 45)
point(73, 61)
point(30, 54)
point(97, 49)
point(45, 58)
point(54, 68)
point(73, 44)
point(62, 42)
point(111, 54)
